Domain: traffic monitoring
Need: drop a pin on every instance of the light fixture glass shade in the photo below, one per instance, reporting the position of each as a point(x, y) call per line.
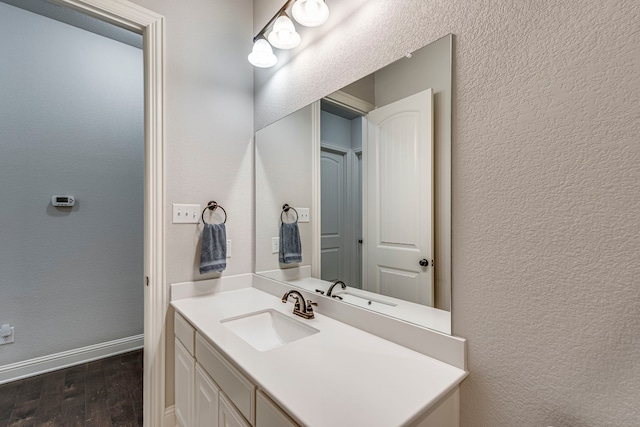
point(310, 13)
point(284, 34)
point(262, 55)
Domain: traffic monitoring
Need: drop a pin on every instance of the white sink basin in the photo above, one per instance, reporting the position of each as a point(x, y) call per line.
point(267, 329)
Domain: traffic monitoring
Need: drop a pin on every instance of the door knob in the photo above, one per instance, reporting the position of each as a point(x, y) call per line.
point(424, 262)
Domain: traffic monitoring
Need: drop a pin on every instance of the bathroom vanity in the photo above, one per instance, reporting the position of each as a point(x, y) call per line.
point(243, 359)
point(378, 351)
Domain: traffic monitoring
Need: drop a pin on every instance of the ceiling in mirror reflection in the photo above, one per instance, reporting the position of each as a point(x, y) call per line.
point(290, 155)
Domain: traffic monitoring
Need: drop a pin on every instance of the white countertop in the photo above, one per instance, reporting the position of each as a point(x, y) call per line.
point(341, 376)
point(429, 317)
point(419, 314)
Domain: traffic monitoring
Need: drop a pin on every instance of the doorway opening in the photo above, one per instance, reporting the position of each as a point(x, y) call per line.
point(152, 278)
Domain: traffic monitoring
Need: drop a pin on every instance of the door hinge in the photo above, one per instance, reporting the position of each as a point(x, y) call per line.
point(146, 279)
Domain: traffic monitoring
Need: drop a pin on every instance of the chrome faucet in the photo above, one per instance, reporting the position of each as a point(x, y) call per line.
point(300, 308)
point(334, 283)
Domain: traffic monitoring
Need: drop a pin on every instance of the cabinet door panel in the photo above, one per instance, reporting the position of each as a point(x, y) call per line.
point(228, 415)
point(232, 382)
point(206, 408)
point(268, 414)
point(184, 374)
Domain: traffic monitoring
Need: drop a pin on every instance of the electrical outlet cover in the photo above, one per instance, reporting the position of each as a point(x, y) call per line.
point(8, 339)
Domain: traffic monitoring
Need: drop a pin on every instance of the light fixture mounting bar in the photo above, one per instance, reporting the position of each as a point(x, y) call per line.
point(271, 21)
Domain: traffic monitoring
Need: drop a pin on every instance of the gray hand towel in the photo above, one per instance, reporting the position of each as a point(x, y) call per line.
point(213, 253)
point(290, 246)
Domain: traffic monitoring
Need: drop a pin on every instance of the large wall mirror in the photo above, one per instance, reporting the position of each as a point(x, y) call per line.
point(367, 170)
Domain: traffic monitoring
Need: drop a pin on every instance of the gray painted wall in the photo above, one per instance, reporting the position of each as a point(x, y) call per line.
point(545, 190)
point(336, 130)
point(78, 19)
point(71, 122)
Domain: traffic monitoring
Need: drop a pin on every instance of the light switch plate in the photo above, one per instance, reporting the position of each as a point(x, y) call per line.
point(303, 214)
point(8, 339)
point(275, 245)
point(228, 248)
point(186, 214)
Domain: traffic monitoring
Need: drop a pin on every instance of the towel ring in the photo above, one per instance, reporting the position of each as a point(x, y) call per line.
point(212, 206)
point(285, 208)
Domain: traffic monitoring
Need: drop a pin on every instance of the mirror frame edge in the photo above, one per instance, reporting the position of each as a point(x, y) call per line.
point(445, 196)
point(316, 257)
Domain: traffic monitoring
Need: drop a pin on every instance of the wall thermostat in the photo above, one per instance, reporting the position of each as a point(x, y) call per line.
point(63, 201)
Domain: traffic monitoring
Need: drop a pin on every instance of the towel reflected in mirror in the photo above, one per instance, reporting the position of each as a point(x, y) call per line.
point(290, 245)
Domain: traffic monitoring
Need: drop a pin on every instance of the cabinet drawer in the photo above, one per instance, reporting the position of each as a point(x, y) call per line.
point(234, 384)
point(268, 414)
point(184, 332)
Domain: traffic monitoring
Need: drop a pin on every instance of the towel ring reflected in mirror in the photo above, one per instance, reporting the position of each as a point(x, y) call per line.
point(212, 206)
point(285, 209)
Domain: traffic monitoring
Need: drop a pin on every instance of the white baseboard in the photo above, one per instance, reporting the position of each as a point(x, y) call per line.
point(170, 416)
point(52, 362)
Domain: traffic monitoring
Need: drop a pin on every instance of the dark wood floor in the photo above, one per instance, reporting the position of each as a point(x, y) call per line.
point(106, 392)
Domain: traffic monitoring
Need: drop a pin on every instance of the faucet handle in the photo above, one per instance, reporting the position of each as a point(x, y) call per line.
point(309, 306)
point(298, 303)
point(309, 309)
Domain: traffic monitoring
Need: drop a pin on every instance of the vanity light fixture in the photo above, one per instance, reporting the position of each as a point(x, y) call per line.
point(310, 13)
point(283, 35)
point(262, 55)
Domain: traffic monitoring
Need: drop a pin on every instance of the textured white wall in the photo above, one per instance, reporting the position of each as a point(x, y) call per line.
point(209, 149)
point(546, 200)
point(69, 277)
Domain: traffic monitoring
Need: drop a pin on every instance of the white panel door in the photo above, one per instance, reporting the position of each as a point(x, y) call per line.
point(334, 252)
point(206, 396)
point(400, 199)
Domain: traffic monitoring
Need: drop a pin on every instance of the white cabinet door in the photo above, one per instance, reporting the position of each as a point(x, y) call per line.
point(206, 397)
point(184, 373)
point(228, 416)
point(235, 385)
point(270, 415)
